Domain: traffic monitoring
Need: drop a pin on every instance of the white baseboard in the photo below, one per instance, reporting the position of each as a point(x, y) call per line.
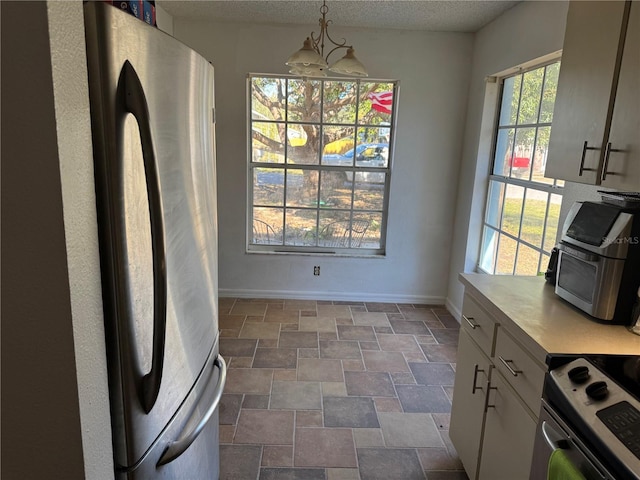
point(453, 310)
point(325, 295)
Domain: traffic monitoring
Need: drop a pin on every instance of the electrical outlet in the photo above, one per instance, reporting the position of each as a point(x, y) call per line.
point(316, 270)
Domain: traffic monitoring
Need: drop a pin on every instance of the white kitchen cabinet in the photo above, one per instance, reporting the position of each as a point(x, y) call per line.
point(510, 431)
point(621, 168)
point(593, 88)
point(468, 408)
point(492, 426)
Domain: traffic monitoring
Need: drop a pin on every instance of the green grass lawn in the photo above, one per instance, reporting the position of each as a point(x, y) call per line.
point(532, 231)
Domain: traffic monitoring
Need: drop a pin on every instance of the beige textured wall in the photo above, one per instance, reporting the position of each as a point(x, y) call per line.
point(40, 411)
point(55, 415)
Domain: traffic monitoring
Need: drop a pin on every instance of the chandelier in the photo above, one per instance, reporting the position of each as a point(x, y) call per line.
point(310, 60)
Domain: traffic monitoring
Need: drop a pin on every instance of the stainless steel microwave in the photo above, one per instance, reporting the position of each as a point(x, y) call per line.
point(598, 263)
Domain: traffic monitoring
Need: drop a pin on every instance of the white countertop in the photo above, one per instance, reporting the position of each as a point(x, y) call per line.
point(529, 306)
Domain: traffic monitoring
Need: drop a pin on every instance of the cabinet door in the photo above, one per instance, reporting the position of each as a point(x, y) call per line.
point(622, 160)
point(509, 435)
point(587, 72)
point(467, 411)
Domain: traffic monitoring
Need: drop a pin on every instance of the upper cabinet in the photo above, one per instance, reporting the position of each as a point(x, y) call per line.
point(595, 137)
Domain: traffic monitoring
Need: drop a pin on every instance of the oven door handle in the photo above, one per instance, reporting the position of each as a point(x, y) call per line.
point(553, 438)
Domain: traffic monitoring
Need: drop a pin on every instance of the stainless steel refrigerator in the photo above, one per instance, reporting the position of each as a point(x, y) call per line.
point(152, 111)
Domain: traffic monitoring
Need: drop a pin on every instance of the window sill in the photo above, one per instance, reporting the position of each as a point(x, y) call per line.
point(377, 256)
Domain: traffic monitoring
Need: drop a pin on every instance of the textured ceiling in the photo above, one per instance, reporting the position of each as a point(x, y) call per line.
point(431, 15)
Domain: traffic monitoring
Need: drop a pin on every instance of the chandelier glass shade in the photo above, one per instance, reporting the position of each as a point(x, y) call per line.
point(311, 61)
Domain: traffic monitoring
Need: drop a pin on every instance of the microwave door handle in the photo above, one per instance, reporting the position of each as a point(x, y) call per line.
point(132, 100)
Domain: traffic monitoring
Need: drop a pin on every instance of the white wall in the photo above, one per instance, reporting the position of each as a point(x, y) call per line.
point(527, 31)
point(433, 69)
point(164, 21)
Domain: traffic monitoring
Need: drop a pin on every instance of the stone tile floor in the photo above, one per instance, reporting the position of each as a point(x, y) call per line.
point(337, 391)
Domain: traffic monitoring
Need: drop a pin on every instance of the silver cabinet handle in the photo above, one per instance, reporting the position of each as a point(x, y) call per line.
point(605, 166)
point(487, 405)
point(584, 153)
point(470, 321)
point(179, 446)
point(507, 363)
point(476, 370)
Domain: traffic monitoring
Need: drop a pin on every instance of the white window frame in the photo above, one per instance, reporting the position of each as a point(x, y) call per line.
point(282, 247)
point(551, 189)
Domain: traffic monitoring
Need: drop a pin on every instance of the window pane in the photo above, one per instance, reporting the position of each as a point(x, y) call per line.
point(267, 98)
point(304, 100)
point(549, 93)
point(506, 255)
point(495, 201)
point(544, 263)
point(335, 190)
point(266, 142)
point(533, 217)
point(300, 227)
point(376, 104)
point(530, 97)
point(297, 136)
point(338, 146)
point(303, 144)
point(512, 209)
point(335, 229)
point(521, 160)
point(371, 150)
point(488, 250)
point(268, 186)
point(369, 191)
point(510, 97)
point(267, 226)
point(528, 260)
point(339, 102)
point(540, 156)
point(367, 230)
point(555, 202)
point(504, 150)
point(302, 188)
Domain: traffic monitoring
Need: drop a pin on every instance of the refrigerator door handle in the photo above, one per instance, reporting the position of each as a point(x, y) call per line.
point(179, 446)
point(134, 101)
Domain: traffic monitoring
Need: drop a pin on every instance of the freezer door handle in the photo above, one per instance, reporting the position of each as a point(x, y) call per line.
point(133, 100)
point(179, 446)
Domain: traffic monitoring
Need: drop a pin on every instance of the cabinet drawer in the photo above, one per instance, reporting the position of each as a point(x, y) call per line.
point(478, 324)
point(524, 374)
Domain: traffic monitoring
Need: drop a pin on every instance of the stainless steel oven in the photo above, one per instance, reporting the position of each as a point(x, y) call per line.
point(554, 434)
point(589, 424)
